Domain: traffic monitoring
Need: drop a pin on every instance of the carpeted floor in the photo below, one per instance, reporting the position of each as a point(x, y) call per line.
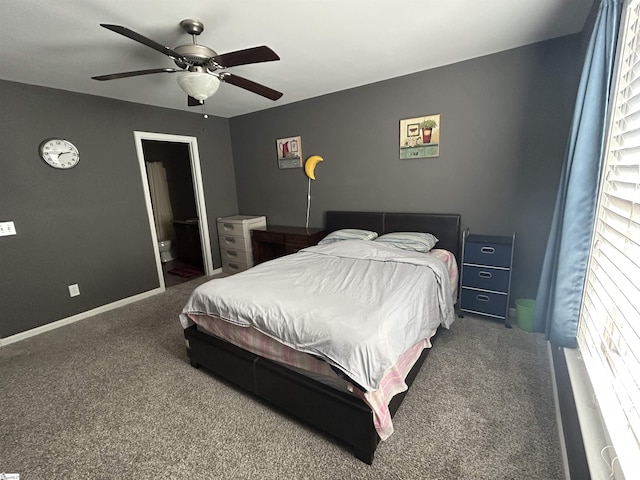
point(114, 396)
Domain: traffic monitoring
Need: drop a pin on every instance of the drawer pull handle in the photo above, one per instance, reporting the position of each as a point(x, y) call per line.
point(229, 239)
point(233, 265)
point(232, 253)
point(482, 298)
point(488, 250)
point(485, 274)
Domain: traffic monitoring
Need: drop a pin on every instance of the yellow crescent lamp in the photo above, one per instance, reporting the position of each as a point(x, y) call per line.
point(310, 171)
point(310, 166)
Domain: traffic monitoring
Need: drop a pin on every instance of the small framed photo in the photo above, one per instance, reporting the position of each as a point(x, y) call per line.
point(413, 130)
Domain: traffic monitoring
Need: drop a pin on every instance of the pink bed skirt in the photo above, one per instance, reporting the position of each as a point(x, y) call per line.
point(252, 340)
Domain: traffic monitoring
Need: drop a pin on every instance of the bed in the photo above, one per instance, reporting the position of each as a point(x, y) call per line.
point(340, 405)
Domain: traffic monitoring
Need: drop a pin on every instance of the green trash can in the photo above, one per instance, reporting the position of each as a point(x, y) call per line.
point(524, 312)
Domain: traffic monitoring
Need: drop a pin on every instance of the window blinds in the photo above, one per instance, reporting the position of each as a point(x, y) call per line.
point(609, 326)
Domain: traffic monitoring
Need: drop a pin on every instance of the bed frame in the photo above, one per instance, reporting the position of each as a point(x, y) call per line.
point(344, 417)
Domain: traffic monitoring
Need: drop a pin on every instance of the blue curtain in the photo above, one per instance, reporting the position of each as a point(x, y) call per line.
point(565, 263)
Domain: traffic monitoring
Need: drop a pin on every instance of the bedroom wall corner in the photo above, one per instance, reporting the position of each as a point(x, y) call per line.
point(88, 225)
point(504, 124)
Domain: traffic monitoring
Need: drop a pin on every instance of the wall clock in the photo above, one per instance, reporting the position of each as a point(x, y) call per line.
point(59, 153)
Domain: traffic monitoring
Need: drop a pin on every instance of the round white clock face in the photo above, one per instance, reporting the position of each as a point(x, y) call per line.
point(59, 153)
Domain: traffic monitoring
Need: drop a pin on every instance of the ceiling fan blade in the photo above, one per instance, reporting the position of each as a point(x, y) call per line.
point(251, 86)
point(248, 55)
point(135, 73)
point(193, 102)
point(143, 40)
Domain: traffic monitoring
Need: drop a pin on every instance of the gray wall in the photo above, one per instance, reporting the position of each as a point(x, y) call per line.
point(504, 124)
point(88, 225)
point(504, 119)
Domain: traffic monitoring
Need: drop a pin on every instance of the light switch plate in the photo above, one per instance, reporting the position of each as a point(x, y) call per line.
point(7, 228)
point(74, 290)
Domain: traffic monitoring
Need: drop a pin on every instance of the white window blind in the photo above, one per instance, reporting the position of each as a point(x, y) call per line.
point(609, 327)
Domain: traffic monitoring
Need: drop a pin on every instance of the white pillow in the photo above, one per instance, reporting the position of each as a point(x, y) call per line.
point(348, 234)
point(414, 241)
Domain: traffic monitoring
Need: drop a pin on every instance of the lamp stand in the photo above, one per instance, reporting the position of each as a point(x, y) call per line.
point(308, 203)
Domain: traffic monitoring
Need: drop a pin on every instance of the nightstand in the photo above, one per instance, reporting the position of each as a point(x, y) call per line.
point(485, 282)
point(279, 240)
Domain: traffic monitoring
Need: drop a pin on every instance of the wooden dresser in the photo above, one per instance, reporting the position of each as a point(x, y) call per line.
point(278, 240)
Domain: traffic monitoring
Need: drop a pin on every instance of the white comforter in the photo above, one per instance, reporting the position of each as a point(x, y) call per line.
point(357, 304)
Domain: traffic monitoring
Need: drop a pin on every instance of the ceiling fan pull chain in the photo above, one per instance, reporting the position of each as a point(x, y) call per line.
point(204, 110)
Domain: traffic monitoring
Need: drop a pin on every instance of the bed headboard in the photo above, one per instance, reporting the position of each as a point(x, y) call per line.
point(444, 226)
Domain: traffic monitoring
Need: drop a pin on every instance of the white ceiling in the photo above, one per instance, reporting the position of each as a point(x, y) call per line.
point(324, 45)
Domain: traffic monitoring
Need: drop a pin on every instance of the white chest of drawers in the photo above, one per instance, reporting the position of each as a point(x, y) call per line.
point(234, 236)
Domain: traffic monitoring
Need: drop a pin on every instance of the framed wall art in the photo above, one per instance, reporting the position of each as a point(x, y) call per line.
point(289, 152)
point(420, 137)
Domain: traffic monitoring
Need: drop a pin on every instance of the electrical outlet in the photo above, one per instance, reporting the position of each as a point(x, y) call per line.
point(7, 228)
point(74, 290)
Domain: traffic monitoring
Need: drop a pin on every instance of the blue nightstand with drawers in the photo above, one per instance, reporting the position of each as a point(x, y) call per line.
point(485, 282)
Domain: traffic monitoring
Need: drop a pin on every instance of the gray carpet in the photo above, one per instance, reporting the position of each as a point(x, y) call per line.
point(114, 396)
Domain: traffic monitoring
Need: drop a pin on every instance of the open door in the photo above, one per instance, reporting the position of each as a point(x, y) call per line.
point(198, 195)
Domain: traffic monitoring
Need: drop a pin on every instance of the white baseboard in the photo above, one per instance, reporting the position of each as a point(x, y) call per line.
point(80, 316)
point(556, 401)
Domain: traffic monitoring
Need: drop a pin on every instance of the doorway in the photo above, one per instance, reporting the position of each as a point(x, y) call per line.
point(172, 183)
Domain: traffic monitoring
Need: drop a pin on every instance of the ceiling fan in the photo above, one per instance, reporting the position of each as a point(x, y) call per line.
point(200, 68)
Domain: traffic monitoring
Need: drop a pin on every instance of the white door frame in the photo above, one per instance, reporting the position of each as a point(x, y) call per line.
point(198, 191)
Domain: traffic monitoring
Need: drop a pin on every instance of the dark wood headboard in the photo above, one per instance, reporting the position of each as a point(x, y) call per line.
point(446, 227)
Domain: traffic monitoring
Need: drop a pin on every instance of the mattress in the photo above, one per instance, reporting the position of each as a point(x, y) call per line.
point(392, 381)
point(356, 304)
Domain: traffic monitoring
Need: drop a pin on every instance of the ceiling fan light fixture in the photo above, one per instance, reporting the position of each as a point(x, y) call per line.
point(198, 64)
point(199, 85)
